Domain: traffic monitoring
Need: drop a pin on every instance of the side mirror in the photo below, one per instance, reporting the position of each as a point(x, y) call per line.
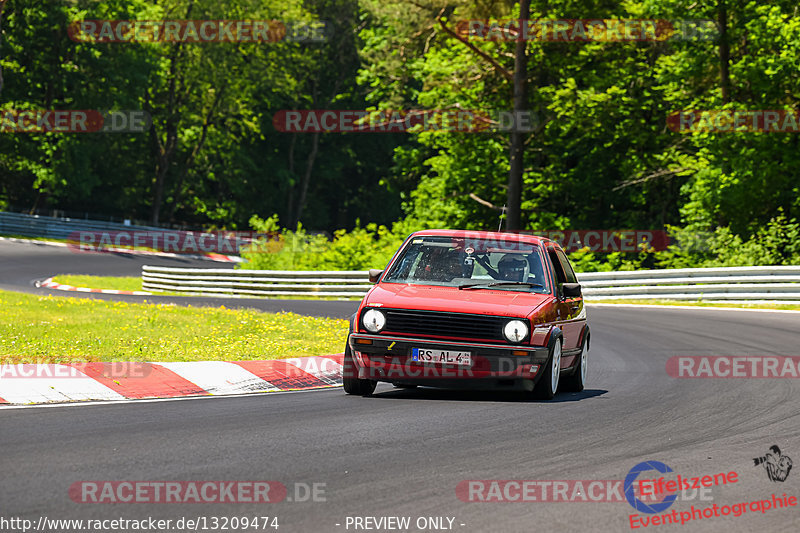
point(374, 275)
point(571, 290)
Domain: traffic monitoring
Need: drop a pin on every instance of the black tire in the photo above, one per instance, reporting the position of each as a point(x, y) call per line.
point(547, 387)
point(351, 384)
point(577, 381)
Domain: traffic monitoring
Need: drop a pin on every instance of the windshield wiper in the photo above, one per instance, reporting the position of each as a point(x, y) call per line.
point(499, 284)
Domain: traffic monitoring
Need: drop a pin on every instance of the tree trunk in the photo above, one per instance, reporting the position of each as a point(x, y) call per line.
point(301, 203)
point(164, 159)
point(207, 122)
point(165, 151)
point(724, 52)
point(292, 186)
point(514, 200)
point(2, 6)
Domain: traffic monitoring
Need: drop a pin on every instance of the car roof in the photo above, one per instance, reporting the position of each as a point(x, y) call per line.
point(491, 235)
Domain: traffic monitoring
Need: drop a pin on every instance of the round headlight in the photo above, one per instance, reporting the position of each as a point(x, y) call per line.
point(515, 330)
point(374, 320)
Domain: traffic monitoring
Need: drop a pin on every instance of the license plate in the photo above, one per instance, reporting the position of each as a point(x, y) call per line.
point(424, 355)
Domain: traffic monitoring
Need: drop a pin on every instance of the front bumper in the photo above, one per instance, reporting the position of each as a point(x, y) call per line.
point(388, 358)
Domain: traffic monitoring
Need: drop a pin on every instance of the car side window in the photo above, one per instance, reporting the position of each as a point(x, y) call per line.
point(536, 274)
point(558, 269)
point(566, 267)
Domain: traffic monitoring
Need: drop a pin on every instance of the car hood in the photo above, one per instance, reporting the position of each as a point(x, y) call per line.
point(451, 299)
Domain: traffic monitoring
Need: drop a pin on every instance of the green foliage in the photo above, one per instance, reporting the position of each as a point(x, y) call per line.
point(360, 249)
point(213, 156)
point(776, 243)
point(603, 156)
point(600, 157)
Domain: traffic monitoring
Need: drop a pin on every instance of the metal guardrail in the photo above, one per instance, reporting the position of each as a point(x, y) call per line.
point(772, 283)
point(767, 283)
point(58, 228)
point(213, 281)
point(20, 224)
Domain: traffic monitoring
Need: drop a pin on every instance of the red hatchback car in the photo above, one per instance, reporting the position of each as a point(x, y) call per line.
point(471, 309)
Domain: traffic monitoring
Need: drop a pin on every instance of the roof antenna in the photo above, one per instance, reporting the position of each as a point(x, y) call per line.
point(502, 212)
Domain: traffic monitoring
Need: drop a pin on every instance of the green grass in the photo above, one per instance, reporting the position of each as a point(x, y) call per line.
point(48, 329)
point(29, 238)
point(101, 282)
point(695, 303)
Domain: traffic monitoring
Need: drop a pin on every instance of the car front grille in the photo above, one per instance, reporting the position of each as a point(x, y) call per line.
point(444, 325)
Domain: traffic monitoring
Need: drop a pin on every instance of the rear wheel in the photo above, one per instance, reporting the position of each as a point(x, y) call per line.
point(577, 381)
point(351, 383)
point(547, 386)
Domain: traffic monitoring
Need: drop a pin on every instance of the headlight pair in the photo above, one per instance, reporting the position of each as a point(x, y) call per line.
point(515, 330)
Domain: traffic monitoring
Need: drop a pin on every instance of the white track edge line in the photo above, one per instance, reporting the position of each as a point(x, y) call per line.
point(153, 400)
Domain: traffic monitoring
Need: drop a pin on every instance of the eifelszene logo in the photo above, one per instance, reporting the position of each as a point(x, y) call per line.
point(777, 465)
point(629, 486)
point(657, 495)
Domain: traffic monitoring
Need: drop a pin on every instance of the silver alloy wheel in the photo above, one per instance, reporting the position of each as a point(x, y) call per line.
point(584, 358)
point(555, 371)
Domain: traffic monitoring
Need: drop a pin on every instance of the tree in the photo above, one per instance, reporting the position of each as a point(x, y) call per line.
point(2, 8)
point(515, 157)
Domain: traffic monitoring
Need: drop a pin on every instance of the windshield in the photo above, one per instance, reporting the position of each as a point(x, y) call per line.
point(470, 263)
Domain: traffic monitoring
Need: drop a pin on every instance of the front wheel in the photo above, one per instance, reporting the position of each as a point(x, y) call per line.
point(547, 386)
point(351, 383)
point(577, 381)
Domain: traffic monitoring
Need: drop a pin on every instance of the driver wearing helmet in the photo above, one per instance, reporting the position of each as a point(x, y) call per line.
point(513, 267)
point(451, 266)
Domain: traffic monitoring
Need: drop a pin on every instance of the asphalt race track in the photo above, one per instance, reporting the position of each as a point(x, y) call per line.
point(23, 264)
point(403, 452)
